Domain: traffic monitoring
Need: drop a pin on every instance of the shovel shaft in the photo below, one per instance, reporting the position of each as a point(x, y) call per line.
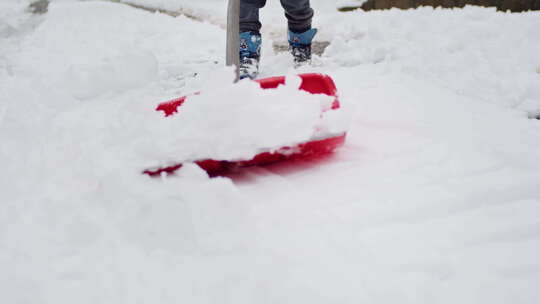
point(233, 28)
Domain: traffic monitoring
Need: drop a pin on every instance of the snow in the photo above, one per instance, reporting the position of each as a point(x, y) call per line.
point(433, 199)
point(264, 120)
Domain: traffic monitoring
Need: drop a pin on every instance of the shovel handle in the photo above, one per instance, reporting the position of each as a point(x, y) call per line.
point(233, 29)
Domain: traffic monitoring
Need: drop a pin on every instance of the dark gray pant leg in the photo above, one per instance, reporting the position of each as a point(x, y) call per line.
point(249, 15)
point(299, 14)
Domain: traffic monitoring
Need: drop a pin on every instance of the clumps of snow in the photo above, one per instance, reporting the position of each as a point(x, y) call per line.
point(230, 121)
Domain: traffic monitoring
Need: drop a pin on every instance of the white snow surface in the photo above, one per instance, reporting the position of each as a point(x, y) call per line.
point(434, 198)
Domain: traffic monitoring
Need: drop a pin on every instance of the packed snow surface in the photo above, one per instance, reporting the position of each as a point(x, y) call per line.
point(434, 198)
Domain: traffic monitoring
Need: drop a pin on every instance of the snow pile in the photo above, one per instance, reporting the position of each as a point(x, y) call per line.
point(238, 121)
point(478, 52)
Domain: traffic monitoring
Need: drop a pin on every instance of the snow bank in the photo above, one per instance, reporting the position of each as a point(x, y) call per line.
point(475, 51)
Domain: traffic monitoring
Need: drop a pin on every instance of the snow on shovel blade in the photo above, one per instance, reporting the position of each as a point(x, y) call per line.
point(312, 83)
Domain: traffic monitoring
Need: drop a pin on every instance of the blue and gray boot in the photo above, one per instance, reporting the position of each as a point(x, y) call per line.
point(250, 54)
point(300, 46)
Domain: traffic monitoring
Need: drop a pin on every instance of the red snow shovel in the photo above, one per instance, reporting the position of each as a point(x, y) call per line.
point(312, 83)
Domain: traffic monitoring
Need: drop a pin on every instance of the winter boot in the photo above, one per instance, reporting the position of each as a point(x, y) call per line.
point(250, 54)
point(300, 46)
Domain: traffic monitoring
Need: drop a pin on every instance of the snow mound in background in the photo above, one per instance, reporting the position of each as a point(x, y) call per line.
point(479, 52)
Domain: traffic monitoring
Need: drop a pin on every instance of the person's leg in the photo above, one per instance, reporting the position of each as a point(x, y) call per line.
point(249, 15)
point(250, 38)
point(299, 14)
